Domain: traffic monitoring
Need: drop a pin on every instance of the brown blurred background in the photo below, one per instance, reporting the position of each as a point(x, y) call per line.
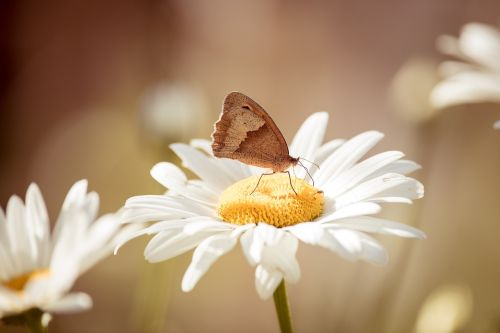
point(98, 89)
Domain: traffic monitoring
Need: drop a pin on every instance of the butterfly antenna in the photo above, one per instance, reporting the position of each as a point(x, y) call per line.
point(307, 171)
point(301, 158)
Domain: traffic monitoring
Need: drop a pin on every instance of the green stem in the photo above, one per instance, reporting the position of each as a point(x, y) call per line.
point(34, 322)
point(282, 308)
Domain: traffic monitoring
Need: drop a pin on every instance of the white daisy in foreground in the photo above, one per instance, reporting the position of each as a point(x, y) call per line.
point(475, 78)
point(217, 211)
point(38, 269)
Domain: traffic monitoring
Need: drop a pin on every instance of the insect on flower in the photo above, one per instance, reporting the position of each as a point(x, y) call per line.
point(245, 132)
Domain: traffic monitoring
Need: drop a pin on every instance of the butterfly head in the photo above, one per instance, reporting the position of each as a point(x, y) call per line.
point(297, 161)
point(294, 160)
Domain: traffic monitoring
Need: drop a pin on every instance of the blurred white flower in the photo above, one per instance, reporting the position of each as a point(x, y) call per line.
point(410, 89)
point(169, 110)
point(218, 211)
point(38, 269)
point(475, 77)
point(447, 309)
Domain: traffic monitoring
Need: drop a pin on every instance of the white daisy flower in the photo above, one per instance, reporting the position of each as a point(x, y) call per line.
point(38, 269)
point(216, 212)
point(475, 77)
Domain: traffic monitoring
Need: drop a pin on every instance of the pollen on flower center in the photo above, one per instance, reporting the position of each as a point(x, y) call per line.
point(18, 283)
point(273, 201)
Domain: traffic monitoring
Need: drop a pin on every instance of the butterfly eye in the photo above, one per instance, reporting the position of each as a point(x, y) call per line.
point(246, 107)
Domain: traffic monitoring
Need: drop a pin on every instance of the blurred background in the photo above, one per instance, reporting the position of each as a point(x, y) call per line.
point(98, 89)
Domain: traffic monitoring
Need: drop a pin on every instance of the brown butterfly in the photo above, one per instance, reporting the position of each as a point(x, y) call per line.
point(245, 132)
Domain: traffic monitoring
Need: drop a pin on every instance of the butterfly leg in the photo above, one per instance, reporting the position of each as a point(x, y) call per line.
point(290, 179)
point(258, 182)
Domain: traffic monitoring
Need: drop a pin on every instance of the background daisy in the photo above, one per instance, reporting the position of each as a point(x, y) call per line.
point(37, 267)
point(475, 76)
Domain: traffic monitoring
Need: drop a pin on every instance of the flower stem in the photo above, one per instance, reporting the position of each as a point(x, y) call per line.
point(282, 308)
point(34, 321)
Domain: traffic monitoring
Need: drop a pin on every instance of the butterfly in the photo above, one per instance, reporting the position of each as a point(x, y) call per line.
point(245, 132)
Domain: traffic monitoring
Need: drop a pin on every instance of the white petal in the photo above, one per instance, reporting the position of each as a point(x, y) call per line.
point(381, 189)
point(316, 234)
point(234, 169)
point(402, 167)
point(202, 144)
point(347, 155)
point(139, 232)
point(37, 217)
point(391, 199)
point(282, 257)
point(77, 201)
point(91, 205)
point(163, 206)
point(466, 87)
point(372, 251)
point(327, 149)
point(246, 241)
point(101, 231)
point(205, 255)
point(73, 228)
point(357, 245)
point(272, 247)
point(96, 255)
point(206, 224)
point(449, 45)
point(356, 209)
point(202, 166)
point(267, 280)
point(169, 227)
point(164, 245)
point(312, 233)
point(3, 226)
point(349, 244)
point(481, 42)
point(9, 301)
point(168, 174)
point(450, 67)
point(18, 233)
point(360, 172)
point(254, 240)
point(309, 138)
point(70, 303)
point(47, 287)
point(377, 225)
point(76, 195)
point(143, 215)
point(7, 268)
point(99, 241)
point(350, 241)
point(197, 190)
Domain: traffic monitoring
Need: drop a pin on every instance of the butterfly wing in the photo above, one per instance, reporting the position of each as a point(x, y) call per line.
point(247, 133)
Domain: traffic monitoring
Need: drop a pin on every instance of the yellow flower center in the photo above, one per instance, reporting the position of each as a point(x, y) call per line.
point(273, 201)
point(18, 283)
